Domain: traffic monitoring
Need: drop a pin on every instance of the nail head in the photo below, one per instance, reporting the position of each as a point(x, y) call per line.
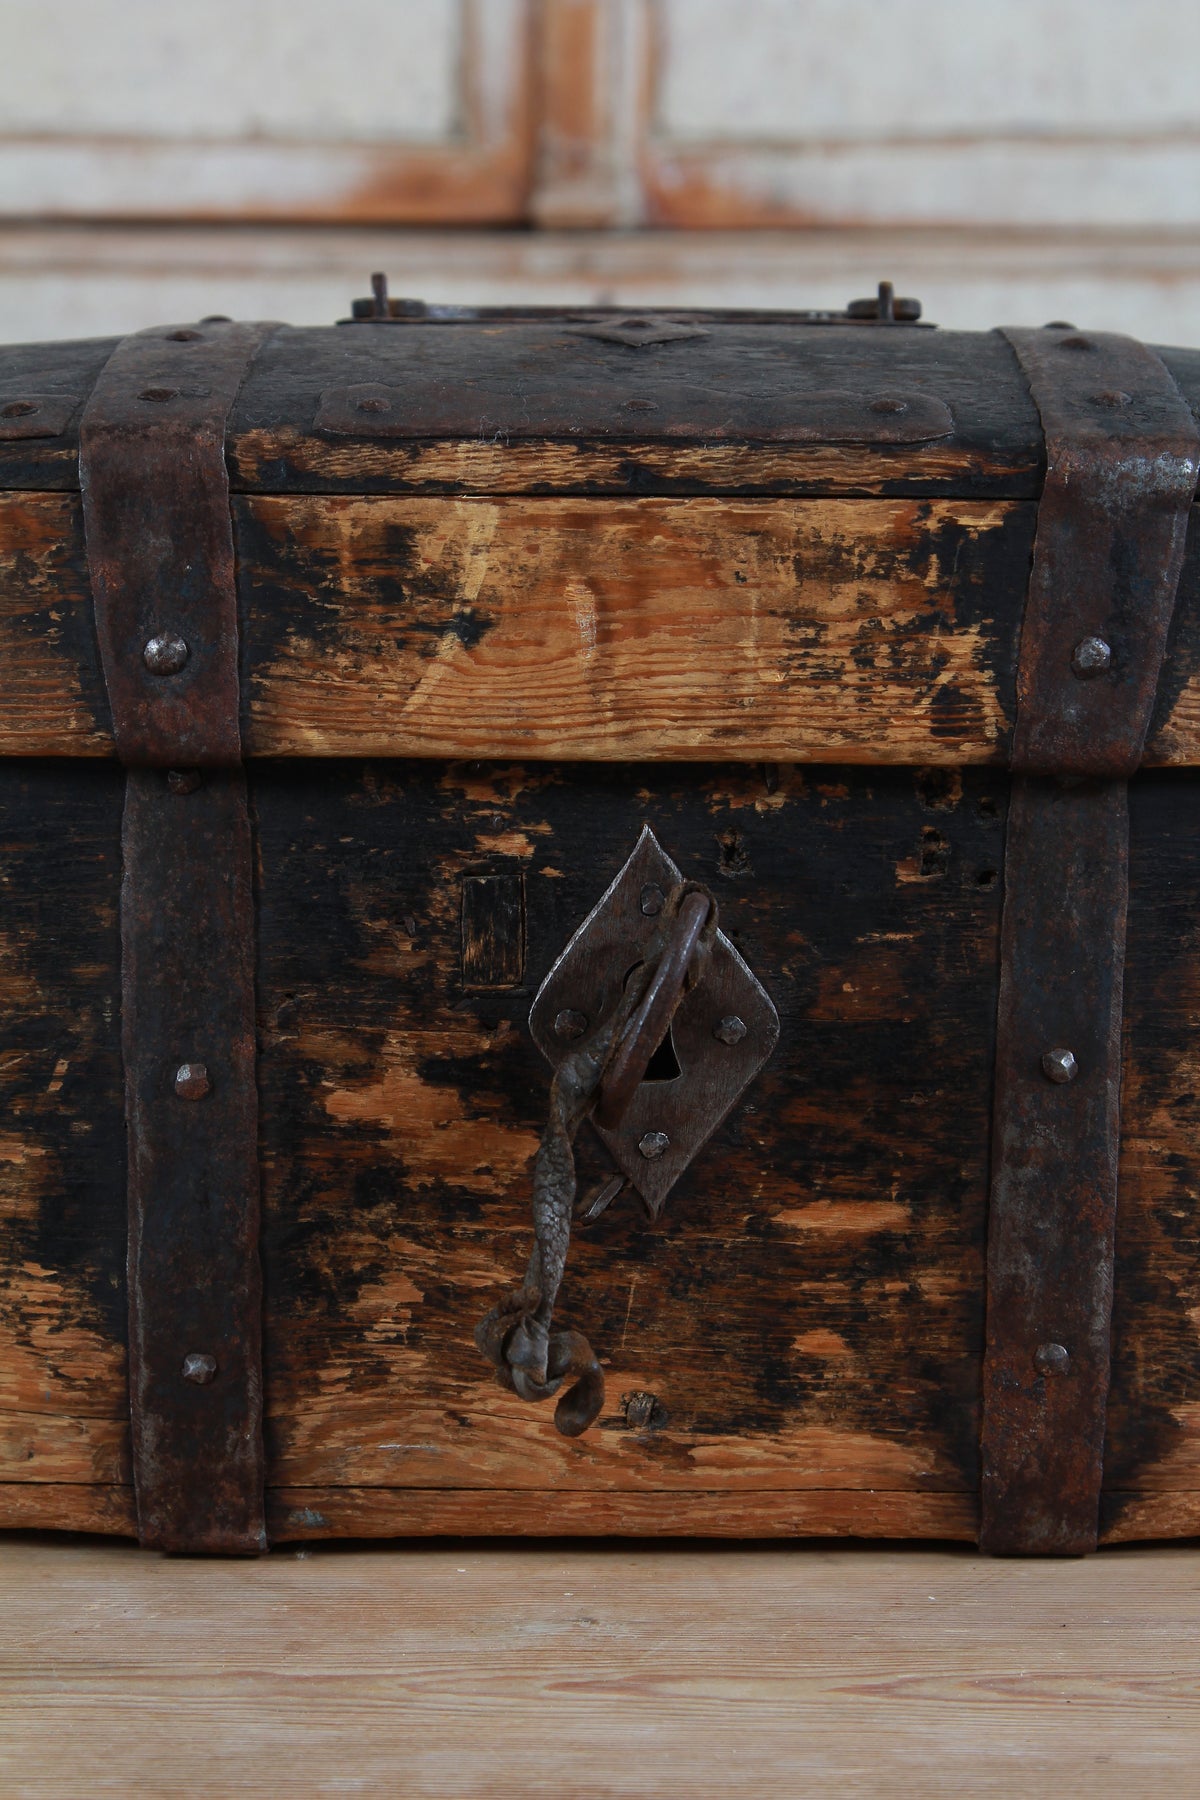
point(1060, 1066)
point(653, 1144)
point(183, 781)
point(730, 1030)
point(199, 1368)
point(1091, 657)
point(165, 654)
point(570, 1024)
point(1051, 1359)
point(192, 1081)
point(652, 900)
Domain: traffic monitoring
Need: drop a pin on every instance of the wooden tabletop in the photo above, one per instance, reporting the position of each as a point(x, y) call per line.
point(557, 1669)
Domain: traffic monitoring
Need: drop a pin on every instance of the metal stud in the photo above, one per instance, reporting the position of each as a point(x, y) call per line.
point(1051, 1359)
point(165, 653)
point(569, 1024)
point(653, 1144)
point(199, 1368)
point(191, 1081)
point(1091, 657)
point(652, 900)
point(1060, 1066)
point(730, 1030)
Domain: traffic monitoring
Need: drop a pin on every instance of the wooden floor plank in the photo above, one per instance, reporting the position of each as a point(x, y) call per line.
point(558, 1670)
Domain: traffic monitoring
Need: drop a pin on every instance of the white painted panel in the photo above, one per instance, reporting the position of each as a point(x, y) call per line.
point(364, 71)
point(796, 71)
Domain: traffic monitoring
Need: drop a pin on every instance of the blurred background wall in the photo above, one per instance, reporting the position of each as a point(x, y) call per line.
point(1013, 161)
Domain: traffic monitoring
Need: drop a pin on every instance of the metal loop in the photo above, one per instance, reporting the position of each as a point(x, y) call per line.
point(605, 1070)
point(650, 1023)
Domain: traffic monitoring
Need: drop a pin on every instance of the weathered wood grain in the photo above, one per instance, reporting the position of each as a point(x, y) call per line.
point(809, 1314)
point(63, 1408)
point(68, 1506)
point(52, 696)
point(1153, 1428)
point(867, 631)
point(313, 1514)
point(862, 630)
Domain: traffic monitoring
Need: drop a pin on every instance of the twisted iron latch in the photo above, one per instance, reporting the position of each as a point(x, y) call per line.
point(600, 1078)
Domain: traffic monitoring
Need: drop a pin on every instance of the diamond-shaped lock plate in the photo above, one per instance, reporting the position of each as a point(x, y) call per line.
point(717, 1058)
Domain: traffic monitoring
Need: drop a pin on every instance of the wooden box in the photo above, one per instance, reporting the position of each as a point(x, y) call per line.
point(341, 674)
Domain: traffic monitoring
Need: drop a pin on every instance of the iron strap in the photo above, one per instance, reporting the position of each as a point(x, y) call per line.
point(1122, 451)
point(1121, 461)
point(160, 552)
point(160, 541)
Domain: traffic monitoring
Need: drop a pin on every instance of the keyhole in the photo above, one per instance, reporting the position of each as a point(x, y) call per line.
point(664, 1064)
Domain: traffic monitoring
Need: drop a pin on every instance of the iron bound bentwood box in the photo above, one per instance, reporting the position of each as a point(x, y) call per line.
point(649, 864)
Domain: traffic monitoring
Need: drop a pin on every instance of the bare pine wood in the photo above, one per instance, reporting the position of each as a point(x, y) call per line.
point(851, 630)
point(486, 1670)
point(860, 630)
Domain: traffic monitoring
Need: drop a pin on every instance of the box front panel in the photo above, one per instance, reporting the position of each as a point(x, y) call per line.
point(808, 1313)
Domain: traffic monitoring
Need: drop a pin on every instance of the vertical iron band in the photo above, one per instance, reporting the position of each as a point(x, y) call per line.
point(1122, 451)
point(160, 552)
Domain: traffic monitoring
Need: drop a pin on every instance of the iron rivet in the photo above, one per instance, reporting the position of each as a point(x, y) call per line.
point(182, 337)
point(1060, 1066)
point(1091, 657)
point(216, 319)
point(643, 1411)
point(17, 409)
point(652, 900)
point(641, 405)
point(653, 1144)
point(1114, 397)
point(1058, 325)
point(731, 1030)
point(1078, 342)
point(159, 393)
point(1051, 1359)
point(199, 1367)
point(165, 654)
point(888, 405)
point(191, 1081)
point(570, 1024)
point(372, 404)
point(183, 781)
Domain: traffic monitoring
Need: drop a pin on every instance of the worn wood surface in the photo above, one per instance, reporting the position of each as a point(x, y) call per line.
point(858, 630)
point(808, 1314)
point(564, 410)
point(63, 1407)
point(645, 629)
point(488, 1670)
